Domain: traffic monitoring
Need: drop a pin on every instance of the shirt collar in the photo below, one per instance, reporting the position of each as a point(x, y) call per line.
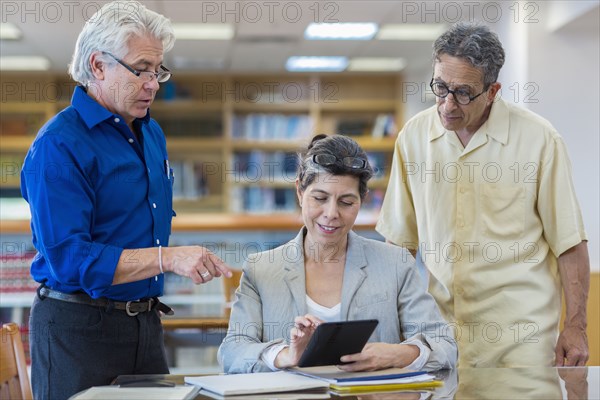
point(437, 129)
point(496, 126)
point(91, 111)
point(497, 123)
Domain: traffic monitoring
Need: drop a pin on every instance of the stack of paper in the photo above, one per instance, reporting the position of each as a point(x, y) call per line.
point(261, 382)
point(146, 393)
point(383, 380)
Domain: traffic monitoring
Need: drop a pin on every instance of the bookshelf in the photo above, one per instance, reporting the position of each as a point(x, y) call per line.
point(232, 140)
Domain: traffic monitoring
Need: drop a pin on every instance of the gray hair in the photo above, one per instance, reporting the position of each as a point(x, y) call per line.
point(475, 43)
point(340, 147)
point(110, 28)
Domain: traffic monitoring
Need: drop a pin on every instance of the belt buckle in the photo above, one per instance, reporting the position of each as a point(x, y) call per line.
point(130, 313)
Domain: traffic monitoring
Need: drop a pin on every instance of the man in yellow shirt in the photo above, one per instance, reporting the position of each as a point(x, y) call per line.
point(483, 190)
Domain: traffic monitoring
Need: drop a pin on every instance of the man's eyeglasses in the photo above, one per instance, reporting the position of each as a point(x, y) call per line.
point(330, 159)
point(461, 96)
point(161, 76)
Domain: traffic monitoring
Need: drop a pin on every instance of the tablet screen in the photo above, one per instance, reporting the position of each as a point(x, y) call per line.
point(333, 340)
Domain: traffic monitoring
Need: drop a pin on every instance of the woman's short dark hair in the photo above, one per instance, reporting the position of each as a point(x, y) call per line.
point(476, 43)
point(345, 151)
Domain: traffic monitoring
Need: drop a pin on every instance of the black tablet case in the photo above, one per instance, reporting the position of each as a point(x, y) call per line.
point(333, 340)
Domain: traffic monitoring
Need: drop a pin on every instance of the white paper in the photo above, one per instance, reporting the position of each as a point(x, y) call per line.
point(304, 395)
point(260, 382)
point(145, 393)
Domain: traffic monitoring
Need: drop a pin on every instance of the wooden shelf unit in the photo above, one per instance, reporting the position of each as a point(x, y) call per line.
point(199, 115)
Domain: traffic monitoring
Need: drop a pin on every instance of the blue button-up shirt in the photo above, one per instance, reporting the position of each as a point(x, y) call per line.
point(94, 189)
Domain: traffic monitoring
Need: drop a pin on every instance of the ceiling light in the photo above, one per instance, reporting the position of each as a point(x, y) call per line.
point(341, 31)
point(24, 63)
point(9, 31)
point(203, 31)
point(374, 64)
point(304, 64)
point(411, 31)
point(181, 63)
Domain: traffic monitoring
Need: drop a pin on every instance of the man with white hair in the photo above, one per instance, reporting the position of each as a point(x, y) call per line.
point(101, 221)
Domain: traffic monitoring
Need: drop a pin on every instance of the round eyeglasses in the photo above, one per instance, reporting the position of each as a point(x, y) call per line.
point(161, 76)
point(461, 96)
point(330, 159)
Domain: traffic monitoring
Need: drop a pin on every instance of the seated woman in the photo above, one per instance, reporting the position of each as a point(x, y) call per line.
point(329, 273)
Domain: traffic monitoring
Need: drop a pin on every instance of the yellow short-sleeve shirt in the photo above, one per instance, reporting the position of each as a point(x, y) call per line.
point(489, 221)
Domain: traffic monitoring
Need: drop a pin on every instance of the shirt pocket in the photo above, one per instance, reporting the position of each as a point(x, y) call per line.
point(168, 190)
point(502, 210)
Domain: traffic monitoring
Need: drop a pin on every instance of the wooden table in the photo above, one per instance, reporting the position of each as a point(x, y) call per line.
point(482, 383)
point(170, 324)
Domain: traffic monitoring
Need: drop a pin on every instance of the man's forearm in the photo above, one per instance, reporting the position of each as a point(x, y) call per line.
point(137, 264)
point(574, 268)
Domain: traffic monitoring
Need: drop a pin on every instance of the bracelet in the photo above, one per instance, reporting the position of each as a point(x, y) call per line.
point(160, 259)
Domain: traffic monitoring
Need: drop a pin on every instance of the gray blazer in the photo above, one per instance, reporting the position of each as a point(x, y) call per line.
point(380, 282)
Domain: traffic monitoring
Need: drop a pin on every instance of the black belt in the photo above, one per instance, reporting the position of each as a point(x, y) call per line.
point(132, 308)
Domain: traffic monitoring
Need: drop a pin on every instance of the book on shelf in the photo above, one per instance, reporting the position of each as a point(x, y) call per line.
point(196, 127)
point(385, 125)
point(263, 199)
point(173, 91)
point(379, 126)
point(260, 166)
point(263, 127)
point(15, 271)
point(189, 181)
point(353, 127)
point(377, 161)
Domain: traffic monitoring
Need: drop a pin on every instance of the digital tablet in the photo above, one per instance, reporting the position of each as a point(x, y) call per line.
point(333, 340)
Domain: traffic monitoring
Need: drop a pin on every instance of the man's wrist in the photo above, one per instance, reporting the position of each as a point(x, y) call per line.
point(581, 326)
point(166, 260)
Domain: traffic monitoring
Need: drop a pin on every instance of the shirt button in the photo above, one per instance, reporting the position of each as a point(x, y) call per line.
point(157, 241)
point(461, 224)
point(154, 205)
point(130, 140)
point(462, 190)
point(117, 120)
